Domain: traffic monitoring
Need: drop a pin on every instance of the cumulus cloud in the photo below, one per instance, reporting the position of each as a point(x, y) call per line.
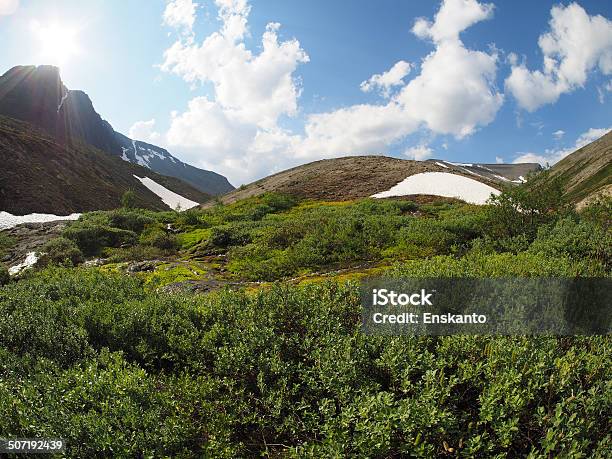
point(552, 156)
point(180, 14)
point(144, 131)
point(237, 131)
point(576, 44)
point(233, 131)
point(453, 17)
point(8, 7)
point(454, 93)
point(419, 152)
point(385, 82)
point(255, 88)
point(499, 160)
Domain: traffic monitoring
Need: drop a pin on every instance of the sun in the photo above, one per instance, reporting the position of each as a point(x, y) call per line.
point(58, 43)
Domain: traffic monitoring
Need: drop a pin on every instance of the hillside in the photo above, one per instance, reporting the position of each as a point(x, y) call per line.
point(587, 172)
point(355, 177)
point(38, 96)
point(41, 175)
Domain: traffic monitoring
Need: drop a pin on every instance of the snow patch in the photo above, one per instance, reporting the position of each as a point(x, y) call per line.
point(62, 102)
point(9, 220)
point(124, 156)
point(442, 164)
point(30, 260)
point(499, 177)
point(442, 184)
point(170, 198)
point(460, 164)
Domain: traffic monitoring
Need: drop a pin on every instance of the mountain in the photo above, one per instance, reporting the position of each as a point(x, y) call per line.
point(587, 172)
point(355, 177)
point(40, 174)
point(36, 94)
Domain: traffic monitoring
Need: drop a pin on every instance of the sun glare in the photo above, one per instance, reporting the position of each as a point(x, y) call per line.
point(58, 43)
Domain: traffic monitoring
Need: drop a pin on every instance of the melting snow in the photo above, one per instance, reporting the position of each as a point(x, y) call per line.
point(460, 164)
point(124, 156)
point(442, 184)
point(442, 164)
point(170, 198)
point(30, 260)
point(499, 177)
point(62, 102)
point(9, 220)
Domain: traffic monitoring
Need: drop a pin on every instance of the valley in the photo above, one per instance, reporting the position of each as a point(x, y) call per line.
point(157, 319)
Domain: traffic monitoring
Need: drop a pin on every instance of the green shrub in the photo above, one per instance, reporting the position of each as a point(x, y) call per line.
point(131, 220)
point(116, 370)
point(522, 209)
point(575, 239)
point(60, 251)
point(91, 238)
point(128, 199)
point(5, 278)
point(6, 243)
point(237, 233)
point(189, 217)
point(158, 237)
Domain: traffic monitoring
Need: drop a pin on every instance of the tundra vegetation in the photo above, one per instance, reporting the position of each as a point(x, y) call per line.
point(272, 361)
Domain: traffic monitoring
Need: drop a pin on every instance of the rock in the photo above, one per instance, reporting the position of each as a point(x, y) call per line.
point(95, 262)
point(142, 266)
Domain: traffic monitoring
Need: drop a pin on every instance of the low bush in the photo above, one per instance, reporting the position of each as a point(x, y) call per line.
point(5, 277)
point(60, 251)
point(158, 237)
point(131, 220)
point(116, 370)
point(91, 238)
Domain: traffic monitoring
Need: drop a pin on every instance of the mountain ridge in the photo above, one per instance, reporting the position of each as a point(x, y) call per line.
point(37, 95)
point(42, 175)
point(353, 177)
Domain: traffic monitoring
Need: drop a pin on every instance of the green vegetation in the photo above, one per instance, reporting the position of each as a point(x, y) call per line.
point(4, 276)
point(6, 242)
point(128, 199)
point(117, 366)
point(60, 251)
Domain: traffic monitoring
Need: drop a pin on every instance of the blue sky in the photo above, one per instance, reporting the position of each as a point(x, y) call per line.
point(302, 100)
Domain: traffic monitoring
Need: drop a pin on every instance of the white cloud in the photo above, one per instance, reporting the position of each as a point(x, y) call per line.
point(385, 82)
point(180, 14)
point(453, 94)
point(499, 160)
point(236, 132)
point(453, 17)
point(590, 136)
point(419, 152)
point(8, 7)
point(552, 156)
point(576, 44)
point(144, 131)
point(256, 89)
point(558, 134)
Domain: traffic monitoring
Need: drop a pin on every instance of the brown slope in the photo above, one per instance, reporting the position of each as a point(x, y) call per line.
point(588, 171)
point(351, 177)
point(40, 175)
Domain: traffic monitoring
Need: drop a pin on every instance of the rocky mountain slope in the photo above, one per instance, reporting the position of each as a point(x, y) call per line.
point(40, 174)
point(587, 172)
point(37, 95)
point(355, 177)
